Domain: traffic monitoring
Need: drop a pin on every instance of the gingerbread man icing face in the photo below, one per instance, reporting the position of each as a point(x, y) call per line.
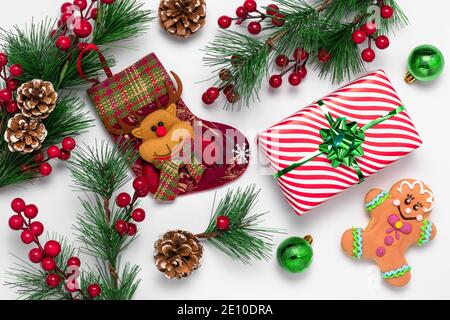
point(399, 219)
point(413, 199)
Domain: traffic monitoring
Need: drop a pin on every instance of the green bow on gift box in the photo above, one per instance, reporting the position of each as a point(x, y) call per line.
point(342, 142)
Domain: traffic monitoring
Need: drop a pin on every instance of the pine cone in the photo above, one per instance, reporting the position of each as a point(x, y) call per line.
point(36, 98)
point(24, 134)
point(182, 17)
point(178, 253)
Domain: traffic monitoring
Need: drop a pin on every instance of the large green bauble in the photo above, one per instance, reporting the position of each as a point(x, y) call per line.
point(426, 63)
point(295, 254)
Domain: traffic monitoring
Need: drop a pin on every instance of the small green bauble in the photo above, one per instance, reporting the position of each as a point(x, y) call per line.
point(425, 63)
point(295, 254)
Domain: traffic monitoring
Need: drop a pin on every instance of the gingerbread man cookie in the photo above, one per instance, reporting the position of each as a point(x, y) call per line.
point(399, 219)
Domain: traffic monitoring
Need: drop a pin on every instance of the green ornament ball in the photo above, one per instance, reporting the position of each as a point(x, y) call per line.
point(295, 254)
point(425, 63)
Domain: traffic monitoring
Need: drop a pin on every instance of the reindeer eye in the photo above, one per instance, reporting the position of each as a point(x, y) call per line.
point(408, 200)
point(154, 128)
point(416, 207)
point(160, 124)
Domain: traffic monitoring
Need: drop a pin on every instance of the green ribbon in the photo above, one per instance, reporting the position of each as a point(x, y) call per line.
point(342, 142)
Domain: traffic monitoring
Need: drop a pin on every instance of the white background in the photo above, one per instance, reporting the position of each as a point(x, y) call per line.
point(332, 275)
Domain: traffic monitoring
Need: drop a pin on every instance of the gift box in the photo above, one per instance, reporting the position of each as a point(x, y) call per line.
point(338, 141)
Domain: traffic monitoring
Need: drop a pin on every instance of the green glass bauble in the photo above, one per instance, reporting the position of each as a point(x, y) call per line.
point(425, 63)
point(295, 254)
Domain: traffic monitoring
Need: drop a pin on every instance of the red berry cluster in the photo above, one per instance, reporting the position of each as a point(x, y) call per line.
point(75, 24)
point(295, 66)
point(124, 200)
point(211, 95)
point(11, 84)
point(53, 152)
point(45, 255)
point(249, 11)
point(368, 32)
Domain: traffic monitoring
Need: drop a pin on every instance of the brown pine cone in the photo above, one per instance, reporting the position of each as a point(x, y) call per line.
point(182, 18)
point(177, 254)
point(37, 98)
point(24, 134)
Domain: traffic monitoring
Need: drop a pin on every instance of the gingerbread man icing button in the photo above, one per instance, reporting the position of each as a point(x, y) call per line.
point(398, 219)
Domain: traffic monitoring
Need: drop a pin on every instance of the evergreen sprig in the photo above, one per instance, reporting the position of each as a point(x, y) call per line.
point(314, 26)
point(244, 239)
point(121, 20)
point(68, 119)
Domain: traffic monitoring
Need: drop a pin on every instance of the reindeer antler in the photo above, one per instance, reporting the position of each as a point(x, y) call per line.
point(124, 127)
point(174, 95)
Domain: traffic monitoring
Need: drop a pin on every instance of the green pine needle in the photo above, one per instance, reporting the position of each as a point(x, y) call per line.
point(121, 20)
point(102, 169)
point(244, 239)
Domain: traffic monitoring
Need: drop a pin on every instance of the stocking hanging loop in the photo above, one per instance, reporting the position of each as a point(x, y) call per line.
point(103, 62)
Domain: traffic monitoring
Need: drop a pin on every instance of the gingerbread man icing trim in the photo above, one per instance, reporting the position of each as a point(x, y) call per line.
point(399, 220)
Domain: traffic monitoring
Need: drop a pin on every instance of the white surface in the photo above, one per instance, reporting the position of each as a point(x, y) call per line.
point(332, 274)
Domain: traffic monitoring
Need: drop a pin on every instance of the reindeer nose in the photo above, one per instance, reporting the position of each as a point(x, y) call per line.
point(161, 131)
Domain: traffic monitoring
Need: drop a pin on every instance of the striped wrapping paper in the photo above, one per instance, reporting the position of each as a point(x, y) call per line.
point(298, 136)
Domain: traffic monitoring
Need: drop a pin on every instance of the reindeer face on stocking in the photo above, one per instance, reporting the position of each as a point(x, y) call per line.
point(399, 219)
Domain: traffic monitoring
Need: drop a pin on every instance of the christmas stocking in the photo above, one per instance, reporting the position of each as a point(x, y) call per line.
point(180, 153)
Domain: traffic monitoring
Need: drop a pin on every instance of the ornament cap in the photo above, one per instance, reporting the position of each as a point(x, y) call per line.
point(308, 239)
point(409, 78)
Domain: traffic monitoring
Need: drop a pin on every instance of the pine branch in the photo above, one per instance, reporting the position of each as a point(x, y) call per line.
point(122, 20)
point(68, 119)
point(244, 239)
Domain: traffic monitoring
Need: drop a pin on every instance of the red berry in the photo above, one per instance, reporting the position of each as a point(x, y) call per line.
point(16, 70)
point(107, 1)
point(224, 22)
point(52, 248)
point(48, 264)
point(3, 60)
point(5, 96)
point(27, 237)
point(233, 97)
point(278, 20)
point(82, 28)
point(272, 9)
point(241, 12)
point(16, 222)
point(382, 42)
point(35, 255)
point(68, 144)
point(359, 36)
point(94, 13)
point(369, 28)
point(30, 211)
point(254, 27)
point(323, 55)
point(300, 54)
point(282, 61)
point(206, 99)
point(17, 205)
point(81, 4)
point(45, 169)
point(386, 12)
point(66, 16)
point(250, 5)
point(132, 229)
point(73, 261)
point(228, 89)
point(11, 107)
point(368, 55)
point(37, 228)
point(121, 227)
point(276, 81)
point(38, 157)
point(64, 155)
point(139, 184)
point(12, 84)
point(53, 152)
point(94, 289)
point(223, 223)
point(67, 7)
point(123, 200)
point(138, 215)
point(213, 93)
point(53, 280)
point(63, 43)
point(295, 79)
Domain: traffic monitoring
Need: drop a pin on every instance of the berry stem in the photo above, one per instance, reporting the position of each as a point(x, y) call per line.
point(111, 267)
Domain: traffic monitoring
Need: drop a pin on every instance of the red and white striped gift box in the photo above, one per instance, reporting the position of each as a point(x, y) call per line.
point(298, 137)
